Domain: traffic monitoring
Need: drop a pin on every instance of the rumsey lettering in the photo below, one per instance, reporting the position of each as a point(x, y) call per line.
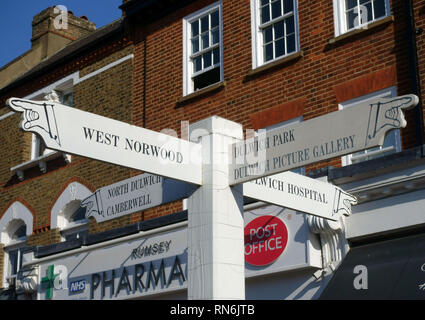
point(152, 249)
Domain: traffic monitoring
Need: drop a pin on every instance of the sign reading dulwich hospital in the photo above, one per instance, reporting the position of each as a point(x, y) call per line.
point(300, 193)
point(335, 134)
point(86, 134)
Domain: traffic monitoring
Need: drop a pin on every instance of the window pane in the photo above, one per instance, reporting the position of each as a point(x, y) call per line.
point(207, 59)
point(290, 43)
point(366, 12)
point(265, 14)
point(79, 214)
point(268, 34)
point(352, 20)
point(20, 232)
point(268, 52)
point(68, 99)
point(379, 7)
point(288, 6)
point(290, 25)
point(195, 28)
point(195, 45)
point(205, 40)
point(216, 56)
point(214, 19)
point(13, 262)
point(349, 4)
point(215, 36)
point(197, 64)
point(276, 9)
point(207, 78)
point(204, 24)
point(264, 2)
point(280, 47)
point(278, 30)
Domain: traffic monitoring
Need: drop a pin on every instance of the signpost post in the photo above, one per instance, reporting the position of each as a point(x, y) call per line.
point(215, 227)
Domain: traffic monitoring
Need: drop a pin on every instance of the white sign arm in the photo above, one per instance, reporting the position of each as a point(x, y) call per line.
point(73, 131)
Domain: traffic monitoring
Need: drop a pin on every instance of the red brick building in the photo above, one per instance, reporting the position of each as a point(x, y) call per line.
point(259, 63)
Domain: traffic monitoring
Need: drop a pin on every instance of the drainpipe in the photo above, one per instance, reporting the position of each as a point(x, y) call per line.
point(411, 33)
point(144, 82)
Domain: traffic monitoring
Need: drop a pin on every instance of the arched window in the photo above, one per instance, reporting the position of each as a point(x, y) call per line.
point(68, 215)
point(15, 226)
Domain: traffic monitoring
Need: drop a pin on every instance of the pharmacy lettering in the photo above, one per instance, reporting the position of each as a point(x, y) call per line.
point(332, 135)
point(142, 277)
point(135, 267)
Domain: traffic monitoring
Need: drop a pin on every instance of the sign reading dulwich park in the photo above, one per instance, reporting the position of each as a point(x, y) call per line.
point(214, 170)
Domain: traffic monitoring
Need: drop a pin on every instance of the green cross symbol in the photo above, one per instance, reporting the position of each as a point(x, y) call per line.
point(49, 279)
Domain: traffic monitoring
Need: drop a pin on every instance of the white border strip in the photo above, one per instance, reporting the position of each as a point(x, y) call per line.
point(74, 77)
point(7, 115)
point(109, 66)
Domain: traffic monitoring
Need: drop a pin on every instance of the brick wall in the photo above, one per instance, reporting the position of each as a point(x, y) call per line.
point(315, 78)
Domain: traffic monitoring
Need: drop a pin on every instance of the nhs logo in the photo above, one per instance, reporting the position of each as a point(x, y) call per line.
point(77, 286)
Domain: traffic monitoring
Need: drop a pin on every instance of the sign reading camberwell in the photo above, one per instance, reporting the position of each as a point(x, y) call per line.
point(335, 134)
point(134, 194)
point(86, 134)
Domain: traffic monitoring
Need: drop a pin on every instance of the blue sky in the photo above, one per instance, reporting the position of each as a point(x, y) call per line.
point(16, 17)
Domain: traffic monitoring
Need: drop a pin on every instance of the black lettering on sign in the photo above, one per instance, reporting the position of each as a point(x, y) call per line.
point(101, 137)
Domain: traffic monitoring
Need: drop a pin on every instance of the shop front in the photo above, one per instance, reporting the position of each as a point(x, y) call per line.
point(150, 262)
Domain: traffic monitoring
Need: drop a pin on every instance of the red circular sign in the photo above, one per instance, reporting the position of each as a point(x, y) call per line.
point(265, 240)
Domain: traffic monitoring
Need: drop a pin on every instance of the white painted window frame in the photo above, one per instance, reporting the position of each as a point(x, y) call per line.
point(257, 35)
point(341, 22)
point(188, 74)
point(16, 211)
point(388, 92)
point(75, 191)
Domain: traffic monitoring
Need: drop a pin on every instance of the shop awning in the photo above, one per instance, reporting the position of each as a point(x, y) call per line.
point(392, 269)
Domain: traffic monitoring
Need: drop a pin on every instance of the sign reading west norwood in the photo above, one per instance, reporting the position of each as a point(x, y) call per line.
point(86, 134)
point(134, 194)
point(339, 133)
point(300, 193)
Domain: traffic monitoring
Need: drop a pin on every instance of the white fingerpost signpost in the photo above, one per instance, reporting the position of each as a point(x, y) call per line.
point(223, 166)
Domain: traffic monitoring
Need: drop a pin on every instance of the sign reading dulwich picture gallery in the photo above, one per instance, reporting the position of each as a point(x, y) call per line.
point(335, 134)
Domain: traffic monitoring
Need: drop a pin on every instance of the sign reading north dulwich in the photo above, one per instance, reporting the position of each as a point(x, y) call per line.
point(86, 134)
point(134, 194)
point(332, 135)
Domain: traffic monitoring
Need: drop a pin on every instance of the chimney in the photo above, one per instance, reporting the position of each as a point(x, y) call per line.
point(55, 27)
